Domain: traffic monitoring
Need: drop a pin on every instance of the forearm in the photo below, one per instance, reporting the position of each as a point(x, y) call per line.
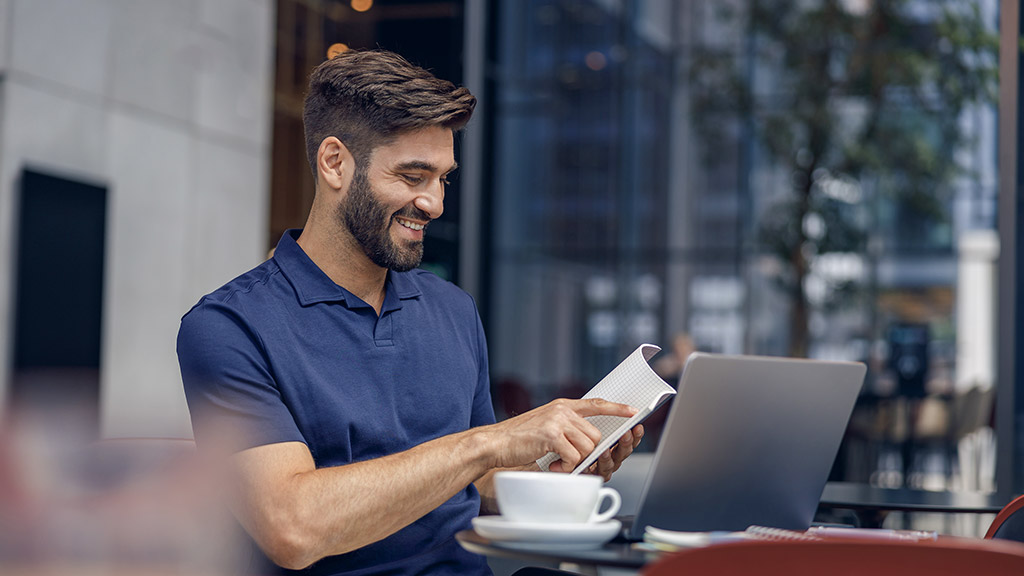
point(323, 512)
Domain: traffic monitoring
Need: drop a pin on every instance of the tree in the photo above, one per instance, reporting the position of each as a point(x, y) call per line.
point(848, 94)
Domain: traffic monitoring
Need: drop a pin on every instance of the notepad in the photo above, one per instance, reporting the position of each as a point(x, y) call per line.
point(632, 382)
point(670, 540)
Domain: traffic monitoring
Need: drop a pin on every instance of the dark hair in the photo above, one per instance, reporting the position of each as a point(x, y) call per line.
point(366, 98)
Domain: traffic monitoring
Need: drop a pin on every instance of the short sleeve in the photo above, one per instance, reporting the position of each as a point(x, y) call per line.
point(483, 408)
point(231, 392)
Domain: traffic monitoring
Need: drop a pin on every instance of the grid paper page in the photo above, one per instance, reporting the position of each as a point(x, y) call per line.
point(632, 382)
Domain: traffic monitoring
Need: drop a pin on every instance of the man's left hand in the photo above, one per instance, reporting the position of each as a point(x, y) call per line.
point(612, 458)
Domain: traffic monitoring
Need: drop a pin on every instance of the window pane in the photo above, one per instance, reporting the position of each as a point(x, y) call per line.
point(814, 179)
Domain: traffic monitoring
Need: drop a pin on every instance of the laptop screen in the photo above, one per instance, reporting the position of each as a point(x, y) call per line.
point(749, 441)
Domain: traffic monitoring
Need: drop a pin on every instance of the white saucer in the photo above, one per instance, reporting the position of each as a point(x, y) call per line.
point(545, 536)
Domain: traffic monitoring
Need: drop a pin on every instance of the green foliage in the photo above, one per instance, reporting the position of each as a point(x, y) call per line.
point(868, 92)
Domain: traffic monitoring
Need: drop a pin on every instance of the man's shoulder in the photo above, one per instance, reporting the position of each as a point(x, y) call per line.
point(251, 286)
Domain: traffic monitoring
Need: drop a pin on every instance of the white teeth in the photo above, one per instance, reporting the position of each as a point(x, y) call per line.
point(408, 224)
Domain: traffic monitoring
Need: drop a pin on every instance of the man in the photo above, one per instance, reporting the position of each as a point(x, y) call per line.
point(357, 386)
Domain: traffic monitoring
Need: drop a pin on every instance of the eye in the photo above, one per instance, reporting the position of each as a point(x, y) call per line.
point(412, 179)
point(445, 181)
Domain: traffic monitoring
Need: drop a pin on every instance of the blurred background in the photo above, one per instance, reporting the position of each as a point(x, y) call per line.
point(818, 179)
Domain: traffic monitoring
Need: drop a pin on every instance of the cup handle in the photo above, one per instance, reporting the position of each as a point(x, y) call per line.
point(613, 509)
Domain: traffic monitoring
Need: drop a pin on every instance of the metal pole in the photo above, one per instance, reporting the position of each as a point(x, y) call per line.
point(1008, 478)
point(474, 59)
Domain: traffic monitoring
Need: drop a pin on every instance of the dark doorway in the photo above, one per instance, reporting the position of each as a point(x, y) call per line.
point(59, 296)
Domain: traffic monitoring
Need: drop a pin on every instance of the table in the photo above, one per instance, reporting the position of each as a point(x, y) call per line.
point(872, 504)
point(613, 554)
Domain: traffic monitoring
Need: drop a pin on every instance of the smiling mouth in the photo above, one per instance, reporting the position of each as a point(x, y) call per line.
point(409, 224)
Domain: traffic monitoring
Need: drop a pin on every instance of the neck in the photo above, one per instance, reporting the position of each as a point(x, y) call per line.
point(337, 254)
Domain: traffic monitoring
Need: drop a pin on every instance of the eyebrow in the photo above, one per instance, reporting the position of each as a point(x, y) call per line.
point(422, 165)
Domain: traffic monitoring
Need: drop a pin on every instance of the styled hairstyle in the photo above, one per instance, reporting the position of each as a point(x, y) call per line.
point(367, 98)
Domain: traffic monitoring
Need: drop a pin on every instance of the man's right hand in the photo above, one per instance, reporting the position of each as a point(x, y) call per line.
point(558, 427)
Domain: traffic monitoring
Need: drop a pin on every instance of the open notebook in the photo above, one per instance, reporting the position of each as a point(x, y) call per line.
point(632, 382)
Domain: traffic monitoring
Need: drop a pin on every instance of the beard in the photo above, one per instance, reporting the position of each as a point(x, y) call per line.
point(370, 224)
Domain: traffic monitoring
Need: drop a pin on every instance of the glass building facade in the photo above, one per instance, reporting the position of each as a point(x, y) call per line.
point(815, 179)
point(642, 190)
point(581, 168)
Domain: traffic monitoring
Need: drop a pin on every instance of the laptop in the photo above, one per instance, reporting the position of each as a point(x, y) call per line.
point(749, 440)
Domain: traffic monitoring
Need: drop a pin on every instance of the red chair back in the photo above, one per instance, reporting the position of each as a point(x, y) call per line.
point(1009, 523)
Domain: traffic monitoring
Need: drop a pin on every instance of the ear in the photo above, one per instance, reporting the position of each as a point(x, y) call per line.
point(334, 164)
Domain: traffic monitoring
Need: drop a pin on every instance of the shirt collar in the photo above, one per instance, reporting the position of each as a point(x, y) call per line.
point(313, 286)
point(404, 285)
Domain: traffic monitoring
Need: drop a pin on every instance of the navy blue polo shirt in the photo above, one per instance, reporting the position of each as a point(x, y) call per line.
point(283, 354)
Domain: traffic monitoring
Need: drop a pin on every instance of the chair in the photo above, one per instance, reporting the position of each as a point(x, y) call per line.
point(1009, 523)
point(946, 557)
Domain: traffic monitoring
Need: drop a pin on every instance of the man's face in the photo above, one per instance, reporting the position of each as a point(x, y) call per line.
point(369, 222)
point(396, 194)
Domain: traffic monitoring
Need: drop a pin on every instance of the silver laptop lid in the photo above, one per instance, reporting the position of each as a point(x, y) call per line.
point(749, 440)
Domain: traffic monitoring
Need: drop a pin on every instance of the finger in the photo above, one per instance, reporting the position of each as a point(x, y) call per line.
point(582, 443)
point(621, 452)
point(606, 465)
point(638, 434)
point(626, 439)
point(627, 442)
point(565, 413)
point(568, 453)
point(600, 407)
point(558, 466)
point(577, 425)
point(592, 432)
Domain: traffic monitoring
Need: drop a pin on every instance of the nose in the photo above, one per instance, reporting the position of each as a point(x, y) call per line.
point(431, 200)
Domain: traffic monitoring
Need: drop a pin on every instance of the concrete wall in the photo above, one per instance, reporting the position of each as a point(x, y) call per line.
point(168, 103)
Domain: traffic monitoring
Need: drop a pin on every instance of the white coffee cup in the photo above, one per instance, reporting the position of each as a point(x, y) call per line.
point(554, 497)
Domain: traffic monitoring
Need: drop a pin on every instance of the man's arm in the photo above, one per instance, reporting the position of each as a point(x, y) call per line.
point(299, 514)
